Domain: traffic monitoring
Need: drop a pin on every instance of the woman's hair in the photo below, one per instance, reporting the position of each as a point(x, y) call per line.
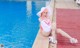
point(41, 14)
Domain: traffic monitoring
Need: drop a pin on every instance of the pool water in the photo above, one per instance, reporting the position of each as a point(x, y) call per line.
point(19, 23)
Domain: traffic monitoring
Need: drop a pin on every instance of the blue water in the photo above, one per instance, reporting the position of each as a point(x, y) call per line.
point(18, 26)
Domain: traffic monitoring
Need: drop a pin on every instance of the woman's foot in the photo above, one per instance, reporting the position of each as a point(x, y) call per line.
point(52, 40)
point(73, 40)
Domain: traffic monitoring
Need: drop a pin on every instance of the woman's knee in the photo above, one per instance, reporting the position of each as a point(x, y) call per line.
point(58, 30)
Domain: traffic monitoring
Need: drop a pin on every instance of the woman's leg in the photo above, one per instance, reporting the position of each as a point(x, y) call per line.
point(52, 40)
point(54, 30)
point(60, 31)
point(53, 34)
point(72, 40)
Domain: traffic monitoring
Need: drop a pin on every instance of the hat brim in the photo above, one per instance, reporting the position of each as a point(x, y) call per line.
point(50, 11)
point(42, 9)
point(39, 13)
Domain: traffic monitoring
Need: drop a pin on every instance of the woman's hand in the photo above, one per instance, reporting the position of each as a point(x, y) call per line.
point(40, 19)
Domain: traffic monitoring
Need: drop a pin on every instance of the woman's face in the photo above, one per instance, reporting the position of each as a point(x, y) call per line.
point(44, 13)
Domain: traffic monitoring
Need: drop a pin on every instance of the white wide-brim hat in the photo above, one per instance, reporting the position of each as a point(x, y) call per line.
point(43, 8)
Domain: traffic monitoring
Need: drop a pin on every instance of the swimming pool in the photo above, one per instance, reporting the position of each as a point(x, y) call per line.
point(19, 23)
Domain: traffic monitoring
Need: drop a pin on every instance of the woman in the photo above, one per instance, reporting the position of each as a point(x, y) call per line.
point(45, 23)
point(46, 29)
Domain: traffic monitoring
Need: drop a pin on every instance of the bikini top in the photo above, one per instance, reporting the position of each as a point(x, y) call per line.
point(47, 21)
